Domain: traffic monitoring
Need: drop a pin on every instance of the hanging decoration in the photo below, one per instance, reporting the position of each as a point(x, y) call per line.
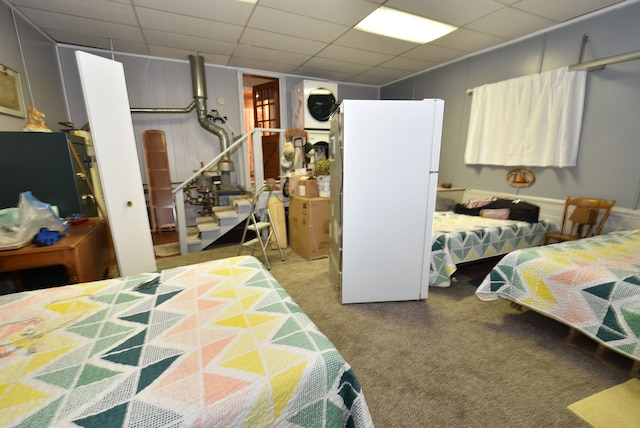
point(520, 177)
point(35, 117)
point(10, 92)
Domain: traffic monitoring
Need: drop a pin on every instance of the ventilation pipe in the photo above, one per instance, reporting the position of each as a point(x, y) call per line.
point(200, 97)
point(200, 104)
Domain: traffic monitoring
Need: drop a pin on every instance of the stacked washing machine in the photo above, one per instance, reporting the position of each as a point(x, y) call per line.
point(312, 105)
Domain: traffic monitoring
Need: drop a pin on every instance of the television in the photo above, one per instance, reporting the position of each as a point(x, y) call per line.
point(44, 164)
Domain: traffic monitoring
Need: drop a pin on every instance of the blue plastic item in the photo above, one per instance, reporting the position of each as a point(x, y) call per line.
point(46, 237)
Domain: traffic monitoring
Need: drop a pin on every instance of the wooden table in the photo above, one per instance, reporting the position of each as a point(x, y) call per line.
point(84, 251)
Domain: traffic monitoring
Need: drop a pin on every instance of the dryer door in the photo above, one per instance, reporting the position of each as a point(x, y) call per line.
point(320, 102)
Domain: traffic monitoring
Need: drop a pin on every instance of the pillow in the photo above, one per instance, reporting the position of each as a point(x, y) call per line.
point(496, 213)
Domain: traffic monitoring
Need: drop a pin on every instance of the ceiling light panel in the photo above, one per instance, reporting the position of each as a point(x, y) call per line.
point(404, 26)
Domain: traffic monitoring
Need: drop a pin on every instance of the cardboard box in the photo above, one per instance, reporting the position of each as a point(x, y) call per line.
point(311, 188)
point(309, 222)
point(294, 183)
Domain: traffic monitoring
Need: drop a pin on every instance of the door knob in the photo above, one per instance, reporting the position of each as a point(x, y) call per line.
point(129, 204)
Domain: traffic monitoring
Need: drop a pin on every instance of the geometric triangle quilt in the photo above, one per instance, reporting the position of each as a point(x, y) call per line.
point(218, 343)
point(591, 284)
point(459, 238)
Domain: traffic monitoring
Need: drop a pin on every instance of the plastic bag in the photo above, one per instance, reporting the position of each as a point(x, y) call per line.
point(19, 225)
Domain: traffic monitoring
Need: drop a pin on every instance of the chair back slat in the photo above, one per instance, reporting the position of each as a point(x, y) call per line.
point(582, 218)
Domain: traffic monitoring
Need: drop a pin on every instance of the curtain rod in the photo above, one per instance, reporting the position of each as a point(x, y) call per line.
point(598, 64)
point(601, 63)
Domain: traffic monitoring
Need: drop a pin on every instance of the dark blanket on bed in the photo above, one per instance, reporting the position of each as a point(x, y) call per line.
point(518, 209)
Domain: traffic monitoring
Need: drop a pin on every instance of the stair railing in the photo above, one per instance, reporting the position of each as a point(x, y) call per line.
point(243, 175)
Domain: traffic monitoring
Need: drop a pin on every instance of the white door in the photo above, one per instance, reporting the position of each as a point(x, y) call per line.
point(105, 95)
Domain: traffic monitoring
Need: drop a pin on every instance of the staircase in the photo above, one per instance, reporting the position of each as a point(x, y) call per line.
point(208, 229)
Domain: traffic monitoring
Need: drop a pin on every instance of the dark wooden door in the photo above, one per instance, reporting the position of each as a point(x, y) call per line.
point(266, 114)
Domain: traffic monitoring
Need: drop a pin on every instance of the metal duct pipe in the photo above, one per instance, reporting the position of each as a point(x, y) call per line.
point(200, 97)
point(164, 109)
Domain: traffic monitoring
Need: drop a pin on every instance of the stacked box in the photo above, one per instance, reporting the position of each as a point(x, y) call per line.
point(307, 187)
point(309, 222)
point(324, 186)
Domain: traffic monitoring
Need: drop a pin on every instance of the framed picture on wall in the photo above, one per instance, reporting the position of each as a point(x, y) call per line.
point(11, 101)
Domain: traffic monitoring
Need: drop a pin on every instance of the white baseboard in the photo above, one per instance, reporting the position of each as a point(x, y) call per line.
point(551, 209)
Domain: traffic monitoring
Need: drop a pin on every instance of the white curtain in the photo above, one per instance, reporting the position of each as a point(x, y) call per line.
point(533, 120)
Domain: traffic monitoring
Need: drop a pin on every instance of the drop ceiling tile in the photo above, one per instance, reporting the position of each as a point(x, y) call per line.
point(231, 11)
point(360, 56)
point(278, 21)
point(468, 40)
point(388, 73)
point(407, 64)
point(271, 55)
point(368, 80)
point(92, 27)
point(107, 10)
point(337, 11)
point(374, 43)
point(188, 25)
point(434, 53)
point(257, 64)
point(510, 23)
point(323, 74)
point(99, 42)
point(183, 54)
point(255, 37)
point(454, 12)
point(301, 28)
point(561, 11)
point(331, 64)
point(180, 41)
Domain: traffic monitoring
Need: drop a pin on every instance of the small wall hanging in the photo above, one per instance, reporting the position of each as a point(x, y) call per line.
point(10, 92)
point(520, 177)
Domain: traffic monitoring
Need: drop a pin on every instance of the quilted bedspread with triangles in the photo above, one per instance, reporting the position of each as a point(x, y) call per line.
point(592, 285)
point(216, 344)
point(459, 238)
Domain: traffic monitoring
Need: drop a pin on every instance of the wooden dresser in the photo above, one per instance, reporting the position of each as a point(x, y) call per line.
point(85, 251)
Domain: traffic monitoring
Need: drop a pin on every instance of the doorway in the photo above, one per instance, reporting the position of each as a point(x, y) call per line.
point(262, 110)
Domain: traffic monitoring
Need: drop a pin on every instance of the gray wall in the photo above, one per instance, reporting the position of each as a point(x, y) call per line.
point(43, 71)
point(152, 82)
point(609, 151)
point(157, 82)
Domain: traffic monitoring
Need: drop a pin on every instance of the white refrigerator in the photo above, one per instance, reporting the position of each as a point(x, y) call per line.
point(384, 173)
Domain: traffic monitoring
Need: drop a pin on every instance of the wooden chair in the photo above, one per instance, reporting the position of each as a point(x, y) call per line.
point(582, 218)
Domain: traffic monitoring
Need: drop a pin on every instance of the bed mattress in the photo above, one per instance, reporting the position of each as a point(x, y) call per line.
point(213, 344)
point(592, 285)
point(460, 238)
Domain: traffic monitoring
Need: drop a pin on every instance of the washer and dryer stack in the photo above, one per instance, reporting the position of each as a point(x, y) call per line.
point(312, 102)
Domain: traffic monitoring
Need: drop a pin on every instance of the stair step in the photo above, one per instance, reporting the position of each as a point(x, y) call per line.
point(227, 218)
point(193, 235)
point(206, 220)
point(242, 205)
point(209, 229)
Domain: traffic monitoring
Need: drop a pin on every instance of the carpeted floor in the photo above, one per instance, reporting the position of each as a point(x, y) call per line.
point(167, 250)
point(449, 361)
